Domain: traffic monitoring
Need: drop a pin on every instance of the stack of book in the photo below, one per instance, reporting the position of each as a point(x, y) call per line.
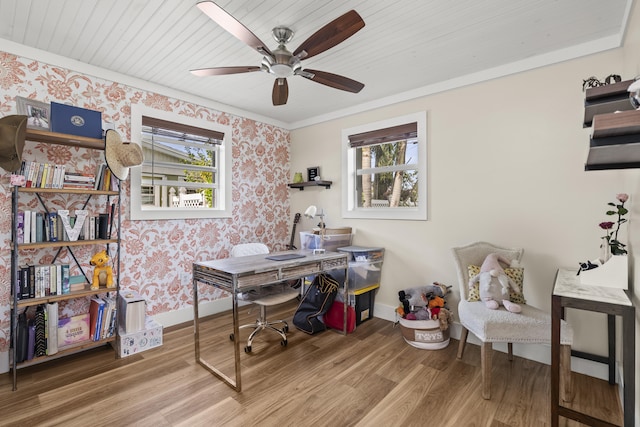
point(79, 180)
point(36, 281)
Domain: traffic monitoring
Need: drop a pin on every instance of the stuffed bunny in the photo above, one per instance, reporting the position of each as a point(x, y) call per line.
point(495, 284)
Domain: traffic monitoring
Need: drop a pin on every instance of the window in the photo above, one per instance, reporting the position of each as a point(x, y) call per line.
point(384, 169)
point(187, 166)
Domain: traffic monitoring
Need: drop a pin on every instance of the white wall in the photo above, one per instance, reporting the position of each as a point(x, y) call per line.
point(506, 164)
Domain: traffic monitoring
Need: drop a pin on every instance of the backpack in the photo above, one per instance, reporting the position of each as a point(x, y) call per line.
point(314, 303)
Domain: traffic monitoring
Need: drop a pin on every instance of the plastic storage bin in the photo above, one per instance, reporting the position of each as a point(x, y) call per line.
point(362, 274)
point(362, 253)
point(364, 301)
point(330, 242)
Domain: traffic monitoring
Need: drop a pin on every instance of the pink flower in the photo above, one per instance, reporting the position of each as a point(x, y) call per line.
point(622, 197)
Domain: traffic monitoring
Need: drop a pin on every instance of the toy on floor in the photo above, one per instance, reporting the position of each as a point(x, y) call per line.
point(425, 303)
point(102, 274)
point(495, 284)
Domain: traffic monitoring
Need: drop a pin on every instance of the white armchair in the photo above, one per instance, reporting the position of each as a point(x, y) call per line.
point(531, 326)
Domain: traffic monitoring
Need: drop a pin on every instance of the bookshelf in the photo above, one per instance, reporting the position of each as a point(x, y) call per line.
point(19, 249)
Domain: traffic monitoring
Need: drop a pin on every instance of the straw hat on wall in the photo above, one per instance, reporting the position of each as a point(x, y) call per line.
point(120, 156)
point(12, 134)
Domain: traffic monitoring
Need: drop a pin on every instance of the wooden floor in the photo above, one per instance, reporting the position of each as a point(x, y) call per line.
point(368, 378)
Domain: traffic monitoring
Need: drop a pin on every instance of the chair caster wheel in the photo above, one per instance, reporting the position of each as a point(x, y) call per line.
point(283, 343)
point(231, 337)
point(247, 349)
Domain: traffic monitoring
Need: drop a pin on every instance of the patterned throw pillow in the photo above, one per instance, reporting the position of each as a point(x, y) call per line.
point(515, 273)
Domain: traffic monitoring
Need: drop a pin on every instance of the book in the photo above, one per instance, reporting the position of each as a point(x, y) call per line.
point(26, 238)
point(52, 328)
point(64, 277)
point(53, 226)
point(131, 312)
point(96, 308)
point(73, 330)
point(39, 227)
point(20, 227)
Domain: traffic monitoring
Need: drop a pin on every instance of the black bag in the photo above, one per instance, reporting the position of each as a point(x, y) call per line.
point(22, 342)
point(315, 302)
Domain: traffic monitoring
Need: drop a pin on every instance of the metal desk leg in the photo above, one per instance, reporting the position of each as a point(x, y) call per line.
point(235, 384)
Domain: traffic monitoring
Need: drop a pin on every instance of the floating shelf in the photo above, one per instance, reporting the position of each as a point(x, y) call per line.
point(301, 185)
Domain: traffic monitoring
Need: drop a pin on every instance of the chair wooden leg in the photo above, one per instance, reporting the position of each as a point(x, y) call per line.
point(463, 341)
point(485, 362)
point(510, 350)
point(565, 373)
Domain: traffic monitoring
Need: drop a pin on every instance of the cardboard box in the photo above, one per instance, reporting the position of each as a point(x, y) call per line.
point(76, 121)
point(136, 342)
point(73, 330)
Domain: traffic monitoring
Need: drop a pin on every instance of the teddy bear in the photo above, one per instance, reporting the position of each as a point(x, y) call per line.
point(102, 273)
point(495, 284)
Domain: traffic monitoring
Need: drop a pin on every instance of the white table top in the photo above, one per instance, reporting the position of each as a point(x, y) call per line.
point(568, 285)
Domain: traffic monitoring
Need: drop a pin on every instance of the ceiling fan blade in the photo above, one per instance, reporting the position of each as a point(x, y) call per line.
point(330, 35)
point(220, 71)
point(280, 91)
point(233, 26)
point(333, 80)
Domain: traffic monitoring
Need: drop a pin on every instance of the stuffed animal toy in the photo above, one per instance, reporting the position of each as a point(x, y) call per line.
point(102, 273)
point(414, 298)
point(495, 284)
point(444, 317)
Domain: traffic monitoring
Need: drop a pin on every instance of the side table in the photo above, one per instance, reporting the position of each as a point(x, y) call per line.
point(568, 292)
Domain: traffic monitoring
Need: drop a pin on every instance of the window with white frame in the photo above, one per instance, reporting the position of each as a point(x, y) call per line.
point(384, 169)
point(186, 170)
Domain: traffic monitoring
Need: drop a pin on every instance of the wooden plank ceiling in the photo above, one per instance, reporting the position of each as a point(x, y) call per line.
point(407, 48)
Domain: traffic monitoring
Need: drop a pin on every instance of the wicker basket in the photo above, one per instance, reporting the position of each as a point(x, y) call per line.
point(424, 334)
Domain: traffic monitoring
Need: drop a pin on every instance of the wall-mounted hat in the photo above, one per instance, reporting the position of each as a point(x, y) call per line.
point(120, 156)
point(12, 134)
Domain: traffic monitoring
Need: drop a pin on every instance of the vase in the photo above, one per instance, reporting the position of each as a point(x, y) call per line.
point(605, 251)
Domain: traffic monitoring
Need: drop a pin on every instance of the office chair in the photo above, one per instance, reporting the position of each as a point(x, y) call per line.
point(531, 326)
point(274, 295)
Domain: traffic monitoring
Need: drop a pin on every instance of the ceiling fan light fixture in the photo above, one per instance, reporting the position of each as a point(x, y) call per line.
point(281, 70)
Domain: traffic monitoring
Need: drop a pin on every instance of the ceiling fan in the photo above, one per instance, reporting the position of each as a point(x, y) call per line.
point(281, 62)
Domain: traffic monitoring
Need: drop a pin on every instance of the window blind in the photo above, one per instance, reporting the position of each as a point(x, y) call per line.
point(380, 136)
point(180, 132)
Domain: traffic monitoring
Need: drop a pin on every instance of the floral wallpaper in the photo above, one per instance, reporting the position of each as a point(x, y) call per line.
point(155, 255)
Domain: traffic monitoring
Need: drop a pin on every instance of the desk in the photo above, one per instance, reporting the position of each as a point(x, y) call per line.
point(568, 292)
point(236, 275)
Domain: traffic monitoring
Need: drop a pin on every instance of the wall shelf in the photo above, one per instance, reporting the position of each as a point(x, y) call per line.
point(301, 185)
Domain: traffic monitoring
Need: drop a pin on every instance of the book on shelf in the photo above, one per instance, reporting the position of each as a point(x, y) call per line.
point(73, 330)
point(41, 333)
point(20, 227)
point(64, 278)
point(53, 226)
point(27, 227)
point(96, 311)
point(52, 328)
point(39, 227)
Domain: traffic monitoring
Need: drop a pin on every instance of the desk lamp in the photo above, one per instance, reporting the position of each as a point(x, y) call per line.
point(311, 212)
